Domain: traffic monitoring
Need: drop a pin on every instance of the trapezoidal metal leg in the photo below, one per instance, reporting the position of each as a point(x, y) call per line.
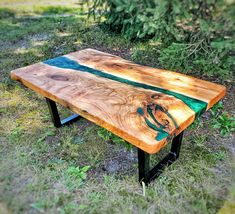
point(55, 115)
point(145, 174)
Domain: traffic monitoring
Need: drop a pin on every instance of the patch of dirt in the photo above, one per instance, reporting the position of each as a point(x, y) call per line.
point(26, 43)
point(122, 161)
point(230, 145)
point(118, 162)
point(45, 16)
point(229, 107)
point(30, 3)
point(40, 37)
point(4, 209)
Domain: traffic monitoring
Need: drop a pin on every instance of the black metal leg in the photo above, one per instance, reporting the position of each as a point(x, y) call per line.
point(176, 144)
point(145, 174)
point(143, 159)
point(55, 115)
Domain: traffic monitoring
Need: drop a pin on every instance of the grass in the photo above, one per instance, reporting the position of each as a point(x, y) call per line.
point(82, 168)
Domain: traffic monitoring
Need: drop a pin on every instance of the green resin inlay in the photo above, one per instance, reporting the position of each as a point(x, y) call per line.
point(161, 133)
point(158, 127)
point(196, 105)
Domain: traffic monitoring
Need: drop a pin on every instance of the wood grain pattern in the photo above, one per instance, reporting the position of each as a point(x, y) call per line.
point(206, 91)
point(146, 118)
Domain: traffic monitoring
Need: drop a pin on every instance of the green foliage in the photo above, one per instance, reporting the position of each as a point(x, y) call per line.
point(222, 120)
point(142, 51)
point(106, 135)
point(195, 35)
point(6, 13)
point(78, 173)
point(166, 20)
point(55, 10)
point(186, 58)
point(225, 123)
point(40, 205)
point(217, 108)
point(138, 19)
point(45, 135)
point(35, 158)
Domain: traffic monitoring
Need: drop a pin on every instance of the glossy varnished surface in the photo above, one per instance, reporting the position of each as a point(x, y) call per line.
point(173, 81)
point(145, 106)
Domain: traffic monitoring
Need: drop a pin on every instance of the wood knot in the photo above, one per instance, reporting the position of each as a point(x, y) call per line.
point(156, 96)
point(59, 77)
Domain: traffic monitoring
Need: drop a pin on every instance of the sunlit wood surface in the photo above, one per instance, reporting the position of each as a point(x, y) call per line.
point(145, 106)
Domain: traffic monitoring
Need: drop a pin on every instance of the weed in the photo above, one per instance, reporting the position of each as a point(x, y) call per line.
point(78, 140)
point(40, 205)
point(71, 207)
point(199, 140)
point(47, 134)
point(216, 109)
point(220, 155)
point(225, 123)
point(78, 173)
point(106, 135)
point(16, 133)
point(196, 124)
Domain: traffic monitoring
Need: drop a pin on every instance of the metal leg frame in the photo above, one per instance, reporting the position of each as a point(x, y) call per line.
point(55, 115)
point(145, 174)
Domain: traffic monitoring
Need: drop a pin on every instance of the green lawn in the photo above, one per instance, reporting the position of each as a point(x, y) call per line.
point(82, 168)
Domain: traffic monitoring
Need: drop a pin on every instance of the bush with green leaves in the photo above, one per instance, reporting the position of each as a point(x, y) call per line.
point(139, 19)
point(195, 35)
point(184, 57)
point(173, 20)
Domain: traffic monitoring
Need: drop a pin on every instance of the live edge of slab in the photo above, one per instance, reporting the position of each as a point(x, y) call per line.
point(145, 106)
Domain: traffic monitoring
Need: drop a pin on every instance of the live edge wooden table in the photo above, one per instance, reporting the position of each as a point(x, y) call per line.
point(145, 106)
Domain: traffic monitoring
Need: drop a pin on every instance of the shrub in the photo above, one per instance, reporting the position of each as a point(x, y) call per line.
point(184, 57)
point(195, 35)
point(167, 20)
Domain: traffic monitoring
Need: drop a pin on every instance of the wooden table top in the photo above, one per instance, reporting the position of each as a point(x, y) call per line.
point(145, 106)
